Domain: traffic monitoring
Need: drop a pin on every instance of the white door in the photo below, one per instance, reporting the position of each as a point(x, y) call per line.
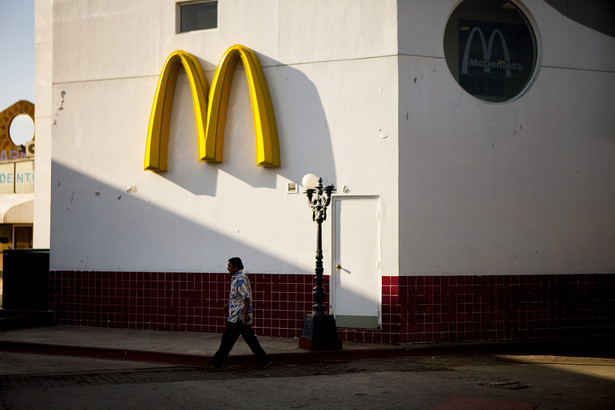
point(355, 294)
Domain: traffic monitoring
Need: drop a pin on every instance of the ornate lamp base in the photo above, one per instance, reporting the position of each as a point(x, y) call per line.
point(319, 333)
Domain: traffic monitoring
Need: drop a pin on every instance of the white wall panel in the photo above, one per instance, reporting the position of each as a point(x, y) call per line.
point(513, 188)
point(196, 215)
point(324, 30)
point(465, 186)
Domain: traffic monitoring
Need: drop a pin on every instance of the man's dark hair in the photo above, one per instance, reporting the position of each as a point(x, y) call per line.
point(236, 262)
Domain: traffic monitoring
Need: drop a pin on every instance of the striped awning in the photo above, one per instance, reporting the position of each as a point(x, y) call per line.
point(17, 208)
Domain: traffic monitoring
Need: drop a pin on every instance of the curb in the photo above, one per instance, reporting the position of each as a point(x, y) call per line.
point(597, 347)
point(103, 353)
point(19, 319)
point(197, 360)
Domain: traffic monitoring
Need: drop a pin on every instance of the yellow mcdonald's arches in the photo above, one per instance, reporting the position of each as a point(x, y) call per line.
point(157, 144)
point(210, 112)
point(265, 129)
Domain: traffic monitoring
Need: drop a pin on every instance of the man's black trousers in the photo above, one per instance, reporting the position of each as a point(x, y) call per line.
point(230, 336)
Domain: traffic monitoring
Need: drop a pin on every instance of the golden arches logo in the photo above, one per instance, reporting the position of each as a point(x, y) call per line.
point(210, 108)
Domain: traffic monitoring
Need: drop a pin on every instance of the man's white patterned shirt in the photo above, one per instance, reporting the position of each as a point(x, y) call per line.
point(240, 290)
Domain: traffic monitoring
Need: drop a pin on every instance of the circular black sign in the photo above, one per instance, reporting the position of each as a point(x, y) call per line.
point(490, 48)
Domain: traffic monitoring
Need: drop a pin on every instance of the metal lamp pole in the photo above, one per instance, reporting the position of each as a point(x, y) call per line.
point(319, 199)
point(319, 329)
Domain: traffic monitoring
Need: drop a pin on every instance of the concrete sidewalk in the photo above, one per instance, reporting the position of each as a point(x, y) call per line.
point(178, 348)
point(195, 349)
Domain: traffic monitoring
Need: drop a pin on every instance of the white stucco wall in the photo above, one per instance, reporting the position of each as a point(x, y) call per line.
point(42, 118)
point(333, 82)
point(364, 98)
point(521, 187)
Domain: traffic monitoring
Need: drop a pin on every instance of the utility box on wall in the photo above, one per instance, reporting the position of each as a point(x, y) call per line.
point(26, 273)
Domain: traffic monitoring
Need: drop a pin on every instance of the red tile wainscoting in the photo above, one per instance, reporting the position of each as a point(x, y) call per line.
point(177, 301)
point(415, 309)
point(455, 309)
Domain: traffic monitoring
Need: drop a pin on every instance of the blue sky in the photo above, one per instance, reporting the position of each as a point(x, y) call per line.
point(17, 61)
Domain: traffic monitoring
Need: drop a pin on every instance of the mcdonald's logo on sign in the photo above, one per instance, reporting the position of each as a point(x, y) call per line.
point(210, 108)
point(487, 63)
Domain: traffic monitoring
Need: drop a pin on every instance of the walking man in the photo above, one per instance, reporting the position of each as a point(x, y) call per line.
point(239, 321)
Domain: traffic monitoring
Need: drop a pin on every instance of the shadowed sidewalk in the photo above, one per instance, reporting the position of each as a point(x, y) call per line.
point(180, 348)
point(194, 349)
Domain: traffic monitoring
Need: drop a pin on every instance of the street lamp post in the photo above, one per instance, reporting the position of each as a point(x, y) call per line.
point(319, 329)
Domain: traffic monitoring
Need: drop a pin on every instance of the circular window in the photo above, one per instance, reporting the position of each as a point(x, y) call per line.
point(21, 129)
point(490, 48)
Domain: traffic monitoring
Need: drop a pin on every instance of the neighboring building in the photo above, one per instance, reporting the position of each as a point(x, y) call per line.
point(16, 185)
point(471, 143)
point(16, 182)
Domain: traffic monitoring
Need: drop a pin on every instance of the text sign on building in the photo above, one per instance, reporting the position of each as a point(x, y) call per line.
point(490, 49)
point(495, 60)
point(17, 177)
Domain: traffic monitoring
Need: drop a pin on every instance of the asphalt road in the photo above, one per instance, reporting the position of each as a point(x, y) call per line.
point(470, 381)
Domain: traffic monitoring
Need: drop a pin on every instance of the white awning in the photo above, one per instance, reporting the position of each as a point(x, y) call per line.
point(17, 208)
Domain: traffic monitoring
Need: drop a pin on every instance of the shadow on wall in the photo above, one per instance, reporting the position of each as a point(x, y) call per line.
point(117, 260)
point(304, 135)
point(596, 14)
point(99, 227)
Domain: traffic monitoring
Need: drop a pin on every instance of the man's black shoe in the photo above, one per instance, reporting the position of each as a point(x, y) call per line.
point(212, 366)
point(264, 365)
